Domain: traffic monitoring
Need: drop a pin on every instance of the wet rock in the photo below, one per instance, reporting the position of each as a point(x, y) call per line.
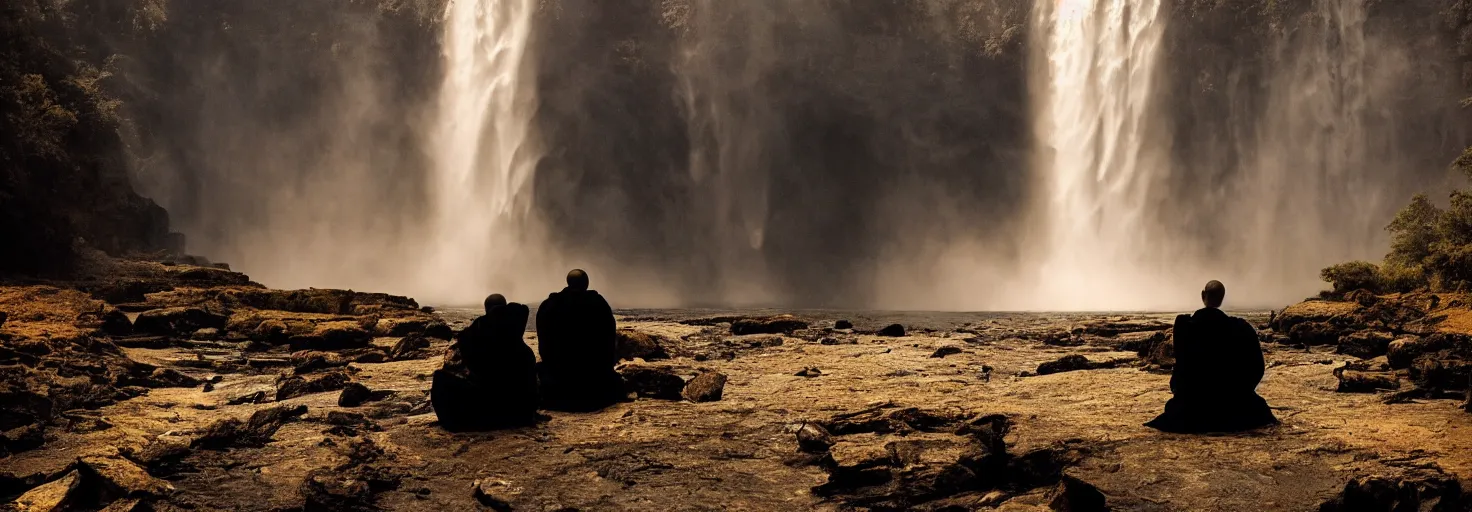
point(325, 489)
point(412, 346)
point(631, 344)
point(780, 324)
point(1315, 333)
point(652, 381)
point(52, 495)
point(296, 386)
point(892, 331)
point(813, 438)
point(177, 321)
point(809, 372)
point(1365, 344)
point(945, 351)
point(255, 432)
point(1068, 363)
point(843, 324)
point(353, 395)
point(1074, 495)
point(706, 387)
point(116, 323)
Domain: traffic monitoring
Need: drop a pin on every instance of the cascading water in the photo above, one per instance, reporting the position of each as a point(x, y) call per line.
point(1098, 154)
point(483, 163)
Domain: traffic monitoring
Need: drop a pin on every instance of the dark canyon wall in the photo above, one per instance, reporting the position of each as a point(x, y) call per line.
point(796, 147)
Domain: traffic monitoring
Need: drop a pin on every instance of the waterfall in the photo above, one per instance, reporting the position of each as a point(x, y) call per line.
point(481, 154)
point(1099, 152)
point(1321, 178)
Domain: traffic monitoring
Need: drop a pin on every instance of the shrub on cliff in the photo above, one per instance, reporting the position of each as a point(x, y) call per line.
point(1351, 276)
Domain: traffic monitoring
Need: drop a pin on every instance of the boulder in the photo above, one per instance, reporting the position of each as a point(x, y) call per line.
point(353, 395)
point(116, 323)
point(1358, 381)
point(1315, 311)
point(255, 432)
point(177, 321)
point(400, 327)
point(409, 347)
point(296, 386)
point(1315, 333)
point(1442, 374)
point(1365, 344)
point(780, 324)
point(1074, 495)
point(652, 381)
point(340, 335)
point(52, 495)
point(1068, 363)
point(631, 344)
point(706, 387)
point(892, 331)
point(945, 351)
point(121, 478)
point(206, 334)
point(813, 438)
point(1422, 490)
point(843, 324)
point(1405, 351)
point(438, 329)
point(327, 489)
point(273, 330)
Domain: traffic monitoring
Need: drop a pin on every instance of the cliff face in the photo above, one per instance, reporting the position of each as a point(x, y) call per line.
point(63, 172)
point(706, 141)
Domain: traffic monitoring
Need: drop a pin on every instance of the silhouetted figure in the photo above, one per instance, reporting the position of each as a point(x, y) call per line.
point(1218, 367)
point(489, 379)
point(576, 336)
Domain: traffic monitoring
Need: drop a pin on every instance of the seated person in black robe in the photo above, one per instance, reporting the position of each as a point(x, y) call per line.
point(576, 338)
point(489, 379)
point(1218, 366)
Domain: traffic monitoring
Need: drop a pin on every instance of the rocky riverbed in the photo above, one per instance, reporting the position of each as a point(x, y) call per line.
point(172, 386)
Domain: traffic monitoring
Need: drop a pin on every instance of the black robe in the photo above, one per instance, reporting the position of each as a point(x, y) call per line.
point(489, 379)
point(576, 337)
point(1218, 367)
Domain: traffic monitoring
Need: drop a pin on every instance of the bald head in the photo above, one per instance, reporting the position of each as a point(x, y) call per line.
point(1213, 294)
point(494, 301)
point(577, 280)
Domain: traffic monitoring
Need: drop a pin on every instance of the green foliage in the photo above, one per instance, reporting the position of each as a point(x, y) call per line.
point(1430, 248)
point(1413, 232)
point(1351, 276)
